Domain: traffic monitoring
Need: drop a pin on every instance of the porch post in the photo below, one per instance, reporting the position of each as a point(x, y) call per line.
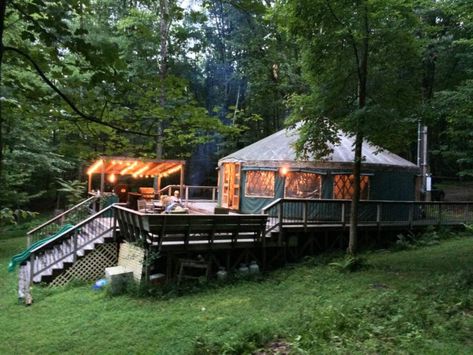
point(181, 187)
point(89, 188)
point(158, 183)
point(102, 178)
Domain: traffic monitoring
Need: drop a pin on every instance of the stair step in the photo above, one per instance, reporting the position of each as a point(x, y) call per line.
point(85, 246)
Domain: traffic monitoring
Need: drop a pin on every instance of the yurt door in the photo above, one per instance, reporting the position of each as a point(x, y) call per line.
point(231, 186)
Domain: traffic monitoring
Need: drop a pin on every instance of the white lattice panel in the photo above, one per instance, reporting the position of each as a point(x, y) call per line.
point(90, 267)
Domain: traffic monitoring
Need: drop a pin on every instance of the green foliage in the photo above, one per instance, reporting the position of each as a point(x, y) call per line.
point(431, 236)
point(9, 216)
point(239, 64)
point(332, 38)
point(350, 264)
point(73, 191)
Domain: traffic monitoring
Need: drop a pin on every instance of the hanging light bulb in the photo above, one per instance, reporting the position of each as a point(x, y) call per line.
point(112, 178)
point(283, 170)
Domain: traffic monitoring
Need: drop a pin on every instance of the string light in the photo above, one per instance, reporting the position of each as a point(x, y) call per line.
point(128, 168)
point(94, 167)
point(141, 171)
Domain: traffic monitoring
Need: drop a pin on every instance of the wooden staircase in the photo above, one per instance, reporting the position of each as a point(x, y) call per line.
point(53, 258)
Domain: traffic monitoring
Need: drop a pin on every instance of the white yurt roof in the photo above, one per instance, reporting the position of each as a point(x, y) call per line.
point(280, 147)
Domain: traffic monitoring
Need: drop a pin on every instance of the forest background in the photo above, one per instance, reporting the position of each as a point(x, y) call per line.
point(199, 79)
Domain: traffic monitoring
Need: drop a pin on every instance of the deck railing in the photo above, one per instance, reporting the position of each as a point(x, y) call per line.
point(207, 193)
point(304, 213)
point(73, 215)
point(185, 229)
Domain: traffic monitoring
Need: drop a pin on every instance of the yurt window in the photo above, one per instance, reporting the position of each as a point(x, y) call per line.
point(259, 183)
point(343, 187)
point(303, 185)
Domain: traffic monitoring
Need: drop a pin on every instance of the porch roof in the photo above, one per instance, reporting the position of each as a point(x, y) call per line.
point(135, 166)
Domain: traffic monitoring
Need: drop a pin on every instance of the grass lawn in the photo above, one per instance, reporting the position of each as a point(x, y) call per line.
point(414, 301)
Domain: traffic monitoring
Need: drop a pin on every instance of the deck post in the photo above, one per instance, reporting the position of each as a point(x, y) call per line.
point(411, 214)
point(102, 178)
point(343, 214)
point(169, 268)
point(31, 278)
point(378, 214)
point(29, 282)
point(378, 221)
point(213, 193)
point(114, 231)
point(304, 214)
point(181, 182)
point(280, 220)
point(187, 195)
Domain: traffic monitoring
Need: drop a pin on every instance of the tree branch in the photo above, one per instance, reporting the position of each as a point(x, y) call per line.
point(69, 101)
point(350, 34)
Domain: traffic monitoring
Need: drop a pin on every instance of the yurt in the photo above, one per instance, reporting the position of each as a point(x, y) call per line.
point(253, 177)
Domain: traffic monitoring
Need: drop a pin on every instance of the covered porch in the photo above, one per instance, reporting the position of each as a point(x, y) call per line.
point(125, 176)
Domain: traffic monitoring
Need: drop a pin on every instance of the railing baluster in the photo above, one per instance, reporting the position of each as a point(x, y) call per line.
point(74, 246)
point(440, 214)
point(304, 214)
point(280, 214)
point(411, 214)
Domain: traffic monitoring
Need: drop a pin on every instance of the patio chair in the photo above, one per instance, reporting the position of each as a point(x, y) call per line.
point(142, 205)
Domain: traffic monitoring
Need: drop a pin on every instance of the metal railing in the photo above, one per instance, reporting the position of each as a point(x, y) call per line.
point(207, 193)
point(304, 213)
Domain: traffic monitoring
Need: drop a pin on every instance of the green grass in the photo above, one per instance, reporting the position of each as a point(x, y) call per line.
point(413, 301)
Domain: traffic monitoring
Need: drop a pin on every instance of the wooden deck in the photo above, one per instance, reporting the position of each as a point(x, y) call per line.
point(209, 231)
point(302, 214)
point(165, 231)
point(288, 228)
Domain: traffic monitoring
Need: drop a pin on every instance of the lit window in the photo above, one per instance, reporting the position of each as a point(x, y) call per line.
point(303, 185)
point(343, 187)
point(259, 183)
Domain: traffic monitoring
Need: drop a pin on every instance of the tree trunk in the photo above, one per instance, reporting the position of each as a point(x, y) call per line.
point(3, 6)
point(362, 94)
point(164, 34)
point(353, 238)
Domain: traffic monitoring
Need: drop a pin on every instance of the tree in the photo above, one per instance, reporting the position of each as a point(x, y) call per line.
point(447, 37)
point(360, 59)
point(62, 60)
